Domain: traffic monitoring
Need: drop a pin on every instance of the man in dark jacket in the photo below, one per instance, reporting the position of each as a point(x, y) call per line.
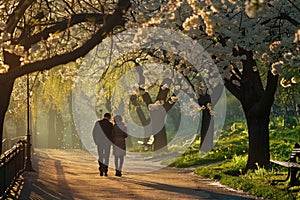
point(102, 134)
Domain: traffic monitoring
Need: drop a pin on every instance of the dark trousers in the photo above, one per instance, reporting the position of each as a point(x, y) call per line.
point(119, 160)
point(103, 160)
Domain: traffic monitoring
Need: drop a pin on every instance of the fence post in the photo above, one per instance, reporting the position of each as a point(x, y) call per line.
point(2, 176)
point(11, 166)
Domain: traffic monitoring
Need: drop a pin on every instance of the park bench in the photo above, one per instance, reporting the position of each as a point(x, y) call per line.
point(148, 145)
point(293, 166)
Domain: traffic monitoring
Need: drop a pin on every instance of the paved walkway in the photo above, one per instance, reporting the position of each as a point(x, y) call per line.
point(73, 174)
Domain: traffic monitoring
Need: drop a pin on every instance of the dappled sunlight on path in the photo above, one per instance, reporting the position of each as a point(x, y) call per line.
point(73, 174)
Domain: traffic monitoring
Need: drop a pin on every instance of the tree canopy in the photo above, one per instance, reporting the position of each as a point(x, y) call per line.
point(252, 42)
point(39, 35)
point(249, 40)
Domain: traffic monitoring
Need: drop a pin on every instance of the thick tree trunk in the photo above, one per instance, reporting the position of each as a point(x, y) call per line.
point(158, 117)
point(145, 121)
point(257, 102)
point(207, 131)
point(259, 147)
point(207, 123)
point(257, 111)
point(6, 87)
point(160, 140)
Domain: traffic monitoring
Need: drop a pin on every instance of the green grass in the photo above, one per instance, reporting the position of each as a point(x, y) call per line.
point(233, 141)
point(227, 161)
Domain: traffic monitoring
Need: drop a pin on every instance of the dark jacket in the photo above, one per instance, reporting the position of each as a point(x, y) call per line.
point(119, 134)
point(102, 132)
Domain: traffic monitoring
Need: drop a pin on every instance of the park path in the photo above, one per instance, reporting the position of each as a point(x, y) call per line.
point(73, 174)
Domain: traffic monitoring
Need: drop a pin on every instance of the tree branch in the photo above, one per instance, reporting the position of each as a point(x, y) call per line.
point(216, 94)
point(236, 71)
point(17, 14)
point(266, 101)
point(141, 114)
point(163, 92)
point(167, 105)
point(270, 90)
point(288, 18)
point(232, 88)
point(147, 99)
point(204, 100)
point(112, 21)
point(249, 74)
point(294, 5)
point(75, 19)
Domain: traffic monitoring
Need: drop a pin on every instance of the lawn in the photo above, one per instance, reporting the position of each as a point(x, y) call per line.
point(227, 161)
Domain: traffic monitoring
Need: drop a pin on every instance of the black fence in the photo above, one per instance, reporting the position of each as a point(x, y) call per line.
point(7, 143)
point(11, 166)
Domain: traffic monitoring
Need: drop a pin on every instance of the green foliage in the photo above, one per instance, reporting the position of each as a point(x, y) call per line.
point(256, 182)
point(53, 89)
point(286, 104)
point(233, 141)
point(234, 111)
point(227, 162)
point(239, 163)
point(282, 142)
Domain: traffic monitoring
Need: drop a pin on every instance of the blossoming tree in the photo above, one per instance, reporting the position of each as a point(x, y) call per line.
point(253, 42)
point(39, 35)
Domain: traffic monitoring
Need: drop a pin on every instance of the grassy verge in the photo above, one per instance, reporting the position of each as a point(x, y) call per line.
point(227, 162)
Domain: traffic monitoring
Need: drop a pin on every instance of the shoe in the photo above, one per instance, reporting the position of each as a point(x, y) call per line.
point(100, 168)
point(118, 173)
point(105, 170)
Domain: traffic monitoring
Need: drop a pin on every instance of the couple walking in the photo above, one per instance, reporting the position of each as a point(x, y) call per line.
point(107, 134)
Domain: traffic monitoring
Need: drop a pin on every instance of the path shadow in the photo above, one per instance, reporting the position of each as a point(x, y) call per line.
point(198, 193)
point(33, 188)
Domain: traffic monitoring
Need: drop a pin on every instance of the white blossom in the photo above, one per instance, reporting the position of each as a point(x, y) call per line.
point(294, 80)
point(164, 87)
point(277, 68)
point(3, 68)
point(285, 83)
point(288, 56)
point(297, 37)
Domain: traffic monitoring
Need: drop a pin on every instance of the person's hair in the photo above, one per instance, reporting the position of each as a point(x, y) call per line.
point(107, 115)
point(118, 118)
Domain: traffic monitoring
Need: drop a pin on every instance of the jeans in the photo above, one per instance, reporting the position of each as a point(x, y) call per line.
point(119, 160)
point(103, 153)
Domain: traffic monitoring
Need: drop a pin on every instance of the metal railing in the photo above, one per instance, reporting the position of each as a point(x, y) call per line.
point(11, 166)
point(7, 143)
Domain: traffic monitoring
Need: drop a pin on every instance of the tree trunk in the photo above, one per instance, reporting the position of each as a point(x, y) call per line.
point(257, 101)
point(259, 145)
point(6, 87)
point(257, 111)
point(142, 117)
point(207, 123)
point(160, 140)
point(207, 131)
point(158, 117)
